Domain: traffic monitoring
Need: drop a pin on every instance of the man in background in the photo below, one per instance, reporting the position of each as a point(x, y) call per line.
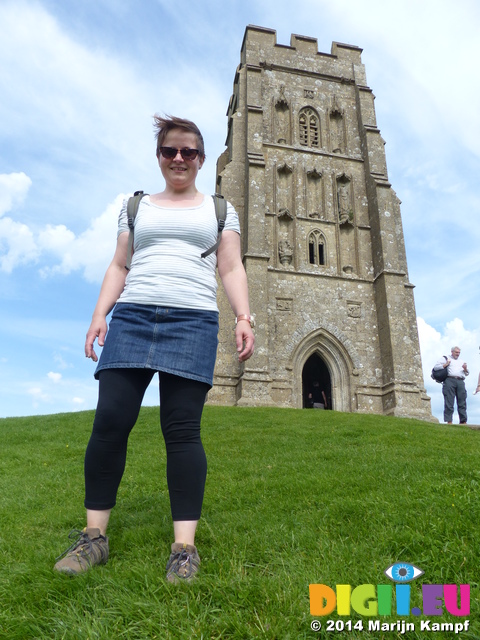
point(454, 386)
point(317, 397)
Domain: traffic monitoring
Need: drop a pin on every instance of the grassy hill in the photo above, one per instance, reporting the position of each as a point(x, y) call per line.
point(293, 497)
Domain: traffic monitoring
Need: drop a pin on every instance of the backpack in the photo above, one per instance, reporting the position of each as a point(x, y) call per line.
point(440, 375)
point(132, 209)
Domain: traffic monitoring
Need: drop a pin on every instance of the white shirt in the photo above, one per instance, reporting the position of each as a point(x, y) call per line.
point(167, 268)
point(455, 368)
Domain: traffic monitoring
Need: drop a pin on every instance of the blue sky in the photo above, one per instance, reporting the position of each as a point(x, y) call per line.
point(79, 83)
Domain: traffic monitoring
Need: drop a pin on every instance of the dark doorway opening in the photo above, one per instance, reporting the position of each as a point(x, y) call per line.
point(315, 370)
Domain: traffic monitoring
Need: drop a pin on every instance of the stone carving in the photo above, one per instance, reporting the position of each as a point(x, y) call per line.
point(337, 135)
point(282, 112)
point(284, 169)
point(314, 199)
point(284, 212)
point(345, 210)
point(354, 309)
point(284, 191)
point(285, 252)
point(314, 174)
point(284, 304)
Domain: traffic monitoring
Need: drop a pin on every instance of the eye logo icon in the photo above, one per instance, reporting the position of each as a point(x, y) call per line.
point(403, 572)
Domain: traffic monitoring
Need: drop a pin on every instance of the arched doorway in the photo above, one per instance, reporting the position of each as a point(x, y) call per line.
point(340, 360)
point(315, 370)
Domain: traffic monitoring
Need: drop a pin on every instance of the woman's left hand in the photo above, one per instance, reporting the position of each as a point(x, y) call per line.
point(245, 340)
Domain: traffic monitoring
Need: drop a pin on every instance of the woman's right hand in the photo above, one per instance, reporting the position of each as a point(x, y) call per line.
point(98, 329)
point(112, 286)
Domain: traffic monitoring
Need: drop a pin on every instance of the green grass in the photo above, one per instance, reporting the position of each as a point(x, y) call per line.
point(293, 497)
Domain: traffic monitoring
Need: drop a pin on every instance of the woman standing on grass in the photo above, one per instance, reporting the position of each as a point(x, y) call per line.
point(166, 320)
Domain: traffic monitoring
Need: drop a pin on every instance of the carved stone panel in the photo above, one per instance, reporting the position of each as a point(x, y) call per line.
point(354, 309)
point(344, 200)
point(337, 128)
point(282, 119)
point(314, 193)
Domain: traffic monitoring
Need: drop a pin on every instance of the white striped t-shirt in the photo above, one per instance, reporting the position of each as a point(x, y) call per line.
point(167, 268)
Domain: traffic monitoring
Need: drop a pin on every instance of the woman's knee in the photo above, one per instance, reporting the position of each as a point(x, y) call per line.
point(120, 397)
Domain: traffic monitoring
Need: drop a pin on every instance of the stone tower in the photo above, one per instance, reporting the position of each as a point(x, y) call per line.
point(322, 237)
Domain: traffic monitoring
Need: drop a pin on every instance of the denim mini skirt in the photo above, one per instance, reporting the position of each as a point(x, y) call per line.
point(182, 342)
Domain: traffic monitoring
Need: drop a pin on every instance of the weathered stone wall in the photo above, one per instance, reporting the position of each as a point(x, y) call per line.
point(322, 236)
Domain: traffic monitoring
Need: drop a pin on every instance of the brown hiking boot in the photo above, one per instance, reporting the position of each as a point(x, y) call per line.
point(88, 549)
point(183, 563)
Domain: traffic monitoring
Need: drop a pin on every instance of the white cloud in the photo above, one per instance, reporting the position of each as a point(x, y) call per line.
point(38, 395)
point(89, 252)
point(63, 82)
point(56, 239)
point(414, 57)
point(61, 362)
point(17, 245)
point(13, 190)
point(89, 101)
point(48, 394)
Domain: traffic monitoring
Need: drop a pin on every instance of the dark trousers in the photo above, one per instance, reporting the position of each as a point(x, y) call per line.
point(454, 389)
point(121, 393)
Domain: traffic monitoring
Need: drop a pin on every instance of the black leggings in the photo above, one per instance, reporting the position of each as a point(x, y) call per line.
point(121, 393)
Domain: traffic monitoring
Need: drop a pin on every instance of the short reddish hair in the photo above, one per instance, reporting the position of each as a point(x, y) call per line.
point(162, 125)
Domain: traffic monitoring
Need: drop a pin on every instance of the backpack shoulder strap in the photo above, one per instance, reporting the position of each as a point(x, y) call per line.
point(221, 213)
point(132, 209)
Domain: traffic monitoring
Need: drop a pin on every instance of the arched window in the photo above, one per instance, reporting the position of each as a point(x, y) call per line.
point(316, 248)
point(309, 128)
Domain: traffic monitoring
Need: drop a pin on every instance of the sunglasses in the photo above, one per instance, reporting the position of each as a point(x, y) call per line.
point(187, 154)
